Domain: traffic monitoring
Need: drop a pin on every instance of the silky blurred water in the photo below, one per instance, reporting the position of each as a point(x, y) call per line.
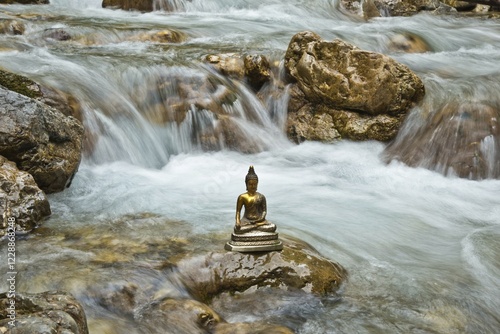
point(422, 250)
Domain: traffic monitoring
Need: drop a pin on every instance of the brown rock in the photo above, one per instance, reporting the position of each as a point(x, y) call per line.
point(40, 140)
point(355, 126)
point(343, 92)
point(180, 316)
point(305, 125)
point(342, 76)
point(297, 267)
point(257, 70)
point(12, 27)
point(20, 198)
point(140, 5)
point(409, 43)
point(161, 36)
point(250, 328)
point(460, 6)
point(460, 139)
point(229, 64)
point(47, 312)
point(56, 34)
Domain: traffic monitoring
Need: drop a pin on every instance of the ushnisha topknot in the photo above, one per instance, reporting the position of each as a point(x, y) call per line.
point(251, 175)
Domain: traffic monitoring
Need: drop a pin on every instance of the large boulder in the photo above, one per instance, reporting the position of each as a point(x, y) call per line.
point(297, 267)
point(47, 312)
point(343, 76)
point(459, 139)
point(20, 198)
point(40, 140)
point(362, 95)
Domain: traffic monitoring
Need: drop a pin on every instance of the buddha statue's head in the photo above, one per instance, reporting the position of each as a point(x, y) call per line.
point(251, 180)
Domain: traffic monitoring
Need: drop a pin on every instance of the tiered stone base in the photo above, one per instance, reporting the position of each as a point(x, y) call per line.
point(254, 241)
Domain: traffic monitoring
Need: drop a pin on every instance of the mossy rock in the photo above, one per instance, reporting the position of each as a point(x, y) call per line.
point(20, 84)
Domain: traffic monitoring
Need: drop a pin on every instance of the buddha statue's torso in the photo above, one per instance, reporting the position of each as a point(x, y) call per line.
point(255, 207)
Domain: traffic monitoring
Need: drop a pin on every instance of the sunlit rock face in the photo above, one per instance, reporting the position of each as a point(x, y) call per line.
point(47, 312)
point(40, 140)
point(365, 94)
point(255, 70)
point(20, 198)
point(461, 139)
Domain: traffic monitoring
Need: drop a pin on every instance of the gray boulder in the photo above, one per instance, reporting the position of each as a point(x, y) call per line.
point(20, 198)
point(40, 140)
point(43, 313)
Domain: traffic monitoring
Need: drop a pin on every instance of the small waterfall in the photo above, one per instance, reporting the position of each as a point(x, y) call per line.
point(159, 111)
point(455, 133)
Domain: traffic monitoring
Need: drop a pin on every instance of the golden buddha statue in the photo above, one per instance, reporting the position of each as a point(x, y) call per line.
point(254, 217)
point(252, 232)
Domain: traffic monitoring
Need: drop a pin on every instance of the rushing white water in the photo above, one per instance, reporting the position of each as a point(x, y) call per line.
point(422, 250)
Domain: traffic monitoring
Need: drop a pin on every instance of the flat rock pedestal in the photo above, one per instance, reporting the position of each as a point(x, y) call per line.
point(254, 241)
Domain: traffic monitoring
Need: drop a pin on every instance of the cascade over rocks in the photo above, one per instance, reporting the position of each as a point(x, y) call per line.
point(40, 140)
point(20, 198)
point(46, 312)
point(361, 95)
point(461, 139)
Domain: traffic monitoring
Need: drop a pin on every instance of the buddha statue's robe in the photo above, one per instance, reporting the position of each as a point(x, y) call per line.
point(254, 216)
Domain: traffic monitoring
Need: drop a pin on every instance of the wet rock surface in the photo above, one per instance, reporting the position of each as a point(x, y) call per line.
point(12, 27)
point(47, 312)
point(131, 280)
point(40, 140)
point(20, 198)
point(297, 267)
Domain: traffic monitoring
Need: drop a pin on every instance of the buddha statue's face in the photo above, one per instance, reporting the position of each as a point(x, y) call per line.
point(252, 186)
